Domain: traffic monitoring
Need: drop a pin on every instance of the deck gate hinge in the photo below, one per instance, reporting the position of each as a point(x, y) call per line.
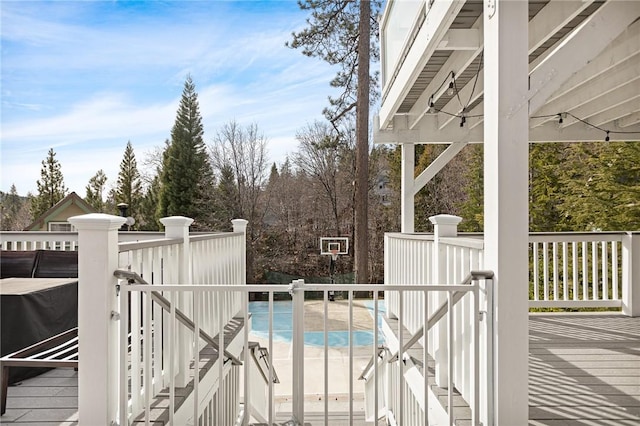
point(115, 316)
point(482, 315)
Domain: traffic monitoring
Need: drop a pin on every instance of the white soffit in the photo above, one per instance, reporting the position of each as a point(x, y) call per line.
point(584, 61)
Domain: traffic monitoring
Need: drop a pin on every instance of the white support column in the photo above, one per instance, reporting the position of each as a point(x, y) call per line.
point(506, 200)
point(407, 201)
point(178, 227)
point(97, 330)
point(631, 274)
point(444, 225)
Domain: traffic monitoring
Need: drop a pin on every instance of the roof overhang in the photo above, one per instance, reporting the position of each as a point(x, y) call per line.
point(584, 68)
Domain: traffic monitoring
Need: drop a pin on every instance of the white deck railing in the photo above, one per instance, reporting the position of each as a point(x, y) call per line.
point(38, 240)
point(571, 270)
point(575, 270)
point(213, 259)
point(443, 258)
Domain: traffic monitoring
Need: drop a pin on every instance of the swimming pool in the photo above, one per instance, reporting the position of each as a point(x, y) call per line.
point(283, 326)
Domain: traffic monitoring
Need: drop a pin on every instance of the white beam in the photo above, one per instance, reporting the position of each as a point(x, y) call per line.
point(625, 47)
point(460, 39)
point(582, 46)
point(601, 90)
point(426, 132)
point(439, 18)
point(629, 120)
point(506, 200)
point(407, 201)
point(549, 131)
point(601, 106)
point(437, 165)
point(603, 119)
point(580, 132)
point(553, 17)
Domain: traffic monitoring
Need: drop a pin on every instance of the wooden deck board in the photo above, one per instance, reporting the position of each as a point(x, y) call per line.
point(590, 377)
point(584, 369)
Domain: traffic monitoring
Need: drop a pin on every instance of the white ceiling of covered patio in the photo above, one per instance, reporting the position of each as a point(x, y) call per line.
point(584, 75)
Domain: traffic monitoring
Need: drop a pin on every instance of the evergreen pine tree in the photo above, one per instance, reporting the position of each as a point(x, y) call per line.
point(545, 189)
point(129, 186)
point(14, 211)
point(94, 191)
point(227, 205)
point(472, 208)
point(602, 186)
point(149, 205)
point(51, 187)
point(186, 176)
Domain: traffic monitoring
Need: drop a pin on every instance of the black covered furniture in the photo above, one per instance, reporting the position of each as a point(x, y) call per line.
point(17, 264)
point(32, 310)
point(38, 309)
point(56, 264)
point(38, 264)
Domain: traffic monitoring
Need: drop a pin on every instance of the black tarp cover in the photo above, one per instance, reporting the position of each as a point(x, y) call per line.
point(28, 318)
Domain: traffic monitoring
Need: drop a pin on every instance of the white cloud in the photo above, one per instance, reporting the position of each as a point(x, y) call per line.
point(85, 88)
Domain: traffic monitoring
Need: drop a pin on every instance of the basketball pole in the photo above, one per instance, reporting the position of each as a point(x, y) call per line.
point(332, 273)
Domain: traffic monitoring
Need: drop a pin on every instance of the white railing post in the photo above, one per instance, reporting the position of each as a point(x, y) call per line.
point(631, 274)
point(178, 227)
point(407, 196)
point(97, 317)
point(444, 225)
point(240, 225)
point(298, 351)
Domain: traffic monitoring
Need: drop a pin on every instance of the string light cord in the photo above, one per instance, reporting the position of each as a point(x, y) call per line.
point(456, 115)
point(453, 86)
point(463, 115)
point(607, 132)
point(473, 89)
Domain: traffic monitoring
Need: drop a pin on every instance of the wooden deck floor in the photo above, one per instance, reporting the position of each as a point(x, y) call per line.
point(583, 370)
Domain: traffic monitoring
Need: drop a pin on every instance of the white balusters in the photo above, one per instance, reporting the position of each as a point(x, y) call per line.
point(587, 275)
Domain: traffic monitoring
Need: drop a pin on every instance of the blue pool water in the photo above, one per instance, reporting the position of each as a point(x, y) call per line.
point(283, 326)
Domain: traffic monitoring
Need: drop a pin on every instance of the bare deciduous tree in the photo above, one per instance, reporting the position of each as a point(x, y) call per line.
point(244, 151)
point(320, 152)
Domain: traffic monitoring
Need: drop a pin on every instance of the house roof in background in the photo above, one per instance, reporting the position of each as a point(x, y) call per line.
point(61, 205)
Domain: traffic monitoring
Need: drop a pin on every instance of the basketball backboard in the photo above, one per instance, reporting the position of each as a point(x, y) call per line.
point(334, 245)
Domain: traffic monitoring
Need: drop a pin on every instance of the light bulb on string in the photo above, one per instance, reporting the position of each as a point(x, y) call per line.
point(450, 90)
point(560, 120)
point(606, 139)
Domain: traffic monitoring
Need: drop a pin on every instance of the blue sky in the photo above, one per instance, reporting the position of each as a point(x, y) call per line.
point(85, 77)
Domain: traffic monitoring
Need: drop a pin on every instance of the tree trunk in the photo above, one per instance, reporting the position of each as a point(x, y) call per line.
point(361, 220)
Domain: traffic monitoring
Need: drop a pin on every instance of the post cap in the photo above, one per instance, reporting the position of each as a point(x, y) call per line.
point(239, 225)
point(445, 219)
point(175, 221)
point(97, 222)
